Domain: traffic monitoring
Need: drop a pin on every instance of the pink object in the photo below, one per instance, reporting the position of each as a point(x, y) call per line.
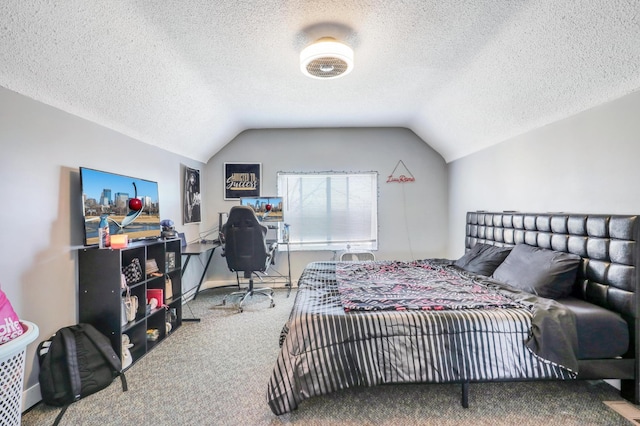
point(10, 326)
point(119, 241)
point(156, 293)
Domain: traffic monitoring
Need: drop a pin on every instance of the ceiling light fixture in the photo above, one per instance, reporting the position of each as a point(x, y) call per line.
point(326, 58)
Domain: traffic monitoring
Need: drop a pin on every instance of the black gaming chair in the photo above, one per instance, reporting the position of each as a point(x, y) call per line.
point(246, 250)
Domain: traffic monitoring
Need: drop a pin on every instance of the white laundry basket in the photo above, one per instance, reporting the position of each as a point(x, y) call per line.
point(12, 363)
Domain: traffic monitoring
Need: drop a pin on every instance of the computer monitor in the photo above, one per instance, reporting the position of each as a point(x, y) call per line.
point(268, 209)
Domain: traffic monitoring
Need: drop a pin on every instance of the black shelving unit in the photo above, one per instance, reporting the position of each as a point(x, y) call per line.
point(100, 293)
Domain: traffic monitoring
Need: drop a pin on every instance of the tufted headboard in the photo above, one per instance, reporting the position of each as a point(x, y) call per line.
point(608, 244)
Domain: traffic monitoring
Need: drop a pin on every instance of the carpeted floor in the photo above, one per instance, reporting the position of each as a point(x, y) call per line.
point(215, 372)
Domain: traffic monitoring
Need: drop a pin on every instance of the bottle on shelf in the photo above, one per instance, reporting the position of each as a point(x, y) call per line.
point(104, 240)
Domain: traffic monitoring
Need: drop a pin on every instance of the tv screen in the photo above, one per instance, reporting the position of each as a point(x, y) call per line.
point(131, 205)
point(268, 209)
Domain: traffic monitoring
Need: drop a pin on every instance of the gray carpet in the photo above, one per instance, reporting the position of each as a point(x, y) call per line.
point(215, 373)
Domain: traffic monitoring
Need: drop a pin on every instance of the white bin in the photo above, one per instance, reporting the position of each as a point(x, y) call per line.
point(12, 363)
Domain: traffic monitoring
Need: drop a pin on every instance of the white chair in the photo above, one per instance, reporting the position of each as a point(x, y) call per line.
point(352, 256)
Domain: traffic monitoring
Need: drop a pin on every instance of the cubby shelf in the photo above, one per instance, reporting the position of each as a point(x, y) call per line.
point(100, 293)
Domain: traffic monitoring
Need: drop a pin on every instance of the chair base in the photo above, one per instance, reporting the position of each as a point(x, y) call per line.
point(246, 294)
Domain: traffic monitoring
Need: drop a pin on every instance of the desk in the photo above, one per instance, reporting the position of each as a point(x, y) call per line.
point(196, 249)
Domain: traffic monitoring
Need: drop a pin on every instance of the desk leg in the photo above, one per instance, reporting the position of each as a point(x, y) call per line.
point(184, 268)
point(289, 284)
point(186, 262)
point(191, 319)
point(204, 272)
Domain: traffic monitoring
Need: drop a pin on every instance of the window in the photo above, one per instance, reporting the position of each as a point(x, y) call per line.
point(330, 211)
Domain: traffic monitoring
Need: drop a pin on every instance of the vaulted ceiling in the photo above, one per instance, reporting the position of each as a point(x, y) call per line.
point(189, 75)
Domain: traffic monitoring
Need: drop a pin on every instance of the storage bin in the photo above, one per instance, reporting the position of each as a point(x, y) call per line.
point(12, 365)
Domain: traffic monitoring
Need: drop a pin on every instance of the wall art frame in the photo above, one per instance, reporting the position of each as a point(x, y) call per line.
point(192, 199)
point(242, 180)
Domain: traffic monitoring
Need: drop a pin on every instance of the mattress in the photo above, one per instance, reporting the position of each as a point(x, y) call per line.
point(601, 333)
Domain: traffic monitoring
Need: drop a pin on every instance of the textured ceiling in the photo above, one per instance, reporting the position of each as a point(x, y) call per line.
point(189, 75)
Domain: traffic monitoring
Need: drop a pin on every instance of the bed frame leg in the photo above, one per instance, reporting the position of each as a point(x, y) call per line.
point(465, 395)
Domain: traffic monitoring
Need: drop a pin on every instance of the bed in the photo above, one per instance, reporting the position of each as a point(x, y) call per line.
point(547, 296)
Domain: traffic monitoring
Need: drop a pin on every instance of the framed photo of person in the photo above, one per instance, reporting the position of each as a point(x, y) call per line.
point(242, 180)
point(192, 213)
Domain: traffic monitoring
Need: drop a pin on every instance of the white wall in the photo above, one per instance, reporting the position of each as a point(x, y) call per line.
point(587, 163)
point(412, 217)
point(41, 214)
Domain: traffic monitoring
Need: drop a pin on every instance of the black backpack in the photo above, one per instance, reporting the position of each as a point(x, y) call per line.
point(75, 362)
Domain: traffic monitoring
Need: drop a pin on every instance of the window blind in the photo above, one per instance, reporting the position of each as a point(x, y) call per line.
point(330, 210)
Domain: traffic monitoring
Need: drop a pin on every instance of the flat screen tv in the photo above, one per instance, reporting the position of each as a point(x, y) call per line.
point(131, 205)
point(268, 209)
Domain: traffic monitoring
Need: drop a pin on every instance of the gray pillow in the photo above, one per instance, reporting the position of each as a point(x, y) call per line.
point(540, 271)
point(483, 259)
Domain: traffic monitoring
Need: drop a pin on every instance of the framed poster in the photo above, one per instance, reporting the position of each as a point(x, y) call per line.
point(242, 180)
point(192, 212)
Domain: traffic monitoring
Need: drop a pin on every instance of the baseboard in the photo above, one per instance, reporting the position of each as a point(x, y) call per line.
point(31, 397)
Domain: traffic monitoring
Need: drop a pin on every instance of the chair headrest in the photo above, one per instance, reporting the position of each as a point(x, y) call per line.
point(242, 214)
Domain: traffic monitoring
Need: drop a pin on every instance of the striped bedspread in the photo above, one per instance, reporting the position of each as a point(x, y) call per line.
point(325, 349)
